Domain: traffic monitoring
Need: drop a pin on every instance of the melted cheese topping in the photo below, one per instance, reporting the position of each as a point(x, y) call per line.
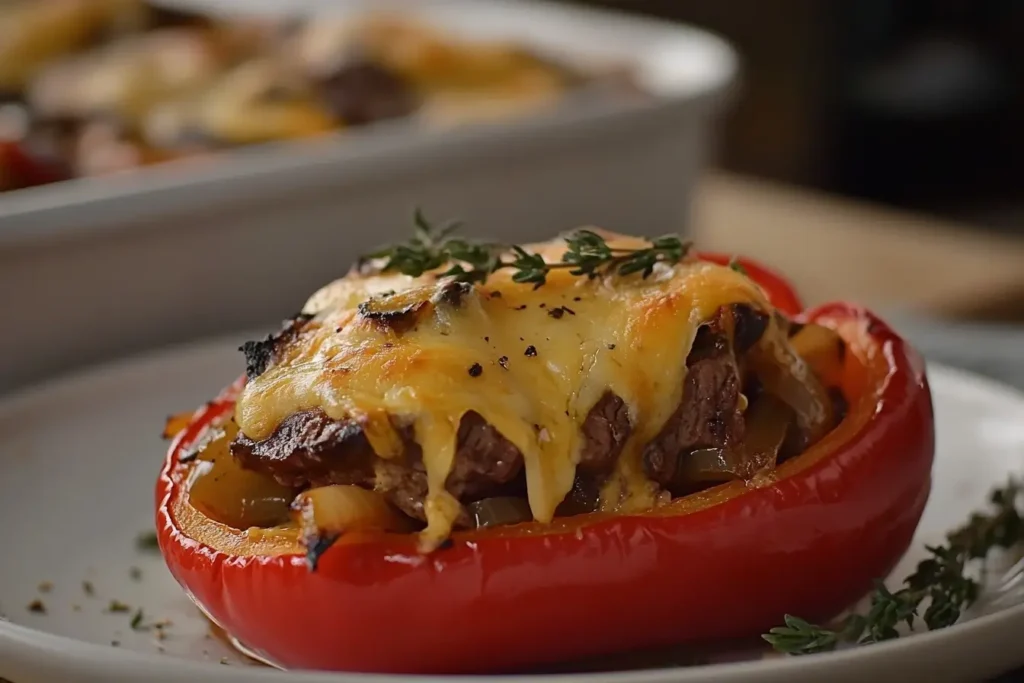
point(540, 371)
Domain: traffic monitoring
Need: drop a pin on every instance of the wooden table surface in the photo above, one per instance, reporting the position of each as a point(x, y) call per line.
point(834, 248)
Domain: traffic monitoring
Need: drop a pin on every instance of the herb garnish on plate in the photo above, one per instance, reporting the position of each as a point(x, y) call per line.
point(939, 585)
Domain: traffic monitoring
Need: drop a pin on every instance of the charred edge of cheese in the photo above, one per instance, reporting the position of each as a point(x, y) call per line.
point(261, 353)
point(628, 335)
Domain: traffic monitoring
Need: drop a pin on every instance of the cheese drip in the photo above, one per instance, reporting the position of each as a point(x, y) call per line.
point(545, 357)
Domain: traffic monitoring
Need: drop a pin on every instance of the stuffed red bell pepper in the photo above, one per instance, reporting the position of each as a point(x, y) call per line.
point(469, 458)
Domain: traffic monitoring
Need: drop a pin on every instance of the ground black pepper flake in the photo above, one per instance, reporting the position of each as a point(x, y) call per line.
point(531, 351)
point(475, 370)
point(503, 362)
point(87, 588)
point(135, 573)
point(487, 339)
point(543, 305)
point(37, 607)
point(521, 308)
point(115, 643)
point(611, 347)
point(558, 312)
point(577, 298)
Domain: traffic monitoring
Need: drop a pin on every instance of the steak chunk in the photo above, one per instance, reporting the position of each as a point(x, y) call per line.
point(309, 448)
point(404, 484)
point(605, 432)
point(483, 459)
point(486, 464)
point(707, 417)
point(749, 325)
point(709, 414)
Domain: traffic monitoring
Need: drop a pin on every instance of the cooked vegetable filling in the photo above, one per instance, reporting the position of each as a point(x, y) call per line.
point(413, 404)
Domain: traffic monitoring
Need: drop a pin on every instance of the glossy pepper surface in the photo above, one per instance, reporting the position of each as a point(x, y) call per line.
point(726, 562)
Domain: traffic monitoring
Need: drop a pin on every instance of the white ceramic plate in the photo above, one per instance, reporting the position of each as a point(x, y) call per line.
point(993, 350)
point(78, 460)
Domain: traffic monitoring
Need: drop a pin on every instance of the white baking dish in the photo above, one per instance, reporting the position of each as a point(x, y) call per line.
point(190, 249)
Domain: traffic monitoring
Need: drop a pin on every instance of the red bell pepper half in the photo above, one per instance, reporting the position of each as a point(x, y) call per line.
point(727, 562)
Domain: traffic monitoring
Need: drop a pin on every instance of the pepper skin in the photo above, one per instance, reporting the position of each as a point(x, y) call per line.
point(723, 563)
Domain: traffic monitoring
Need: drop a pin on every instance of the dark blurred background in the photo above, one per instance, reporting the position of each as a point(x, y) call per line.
point(913, 103)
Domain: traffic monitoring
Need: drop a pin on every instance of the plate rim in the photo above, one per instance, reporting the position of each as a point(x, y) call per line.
point(63, 651)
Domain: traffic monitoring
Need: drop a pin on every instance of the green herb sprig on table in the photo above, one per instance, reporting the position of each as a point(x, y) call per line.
point(587, 253)
point(939, 585)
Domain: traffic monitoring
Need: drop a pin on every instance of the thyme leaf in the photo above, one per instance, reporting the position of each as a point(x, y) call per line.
point(934, 595)
point(587, 254)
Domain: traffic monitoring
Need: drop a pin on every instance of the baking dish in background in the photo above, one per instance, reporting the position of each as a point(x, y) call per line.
point(98, 267)
point(94, 87)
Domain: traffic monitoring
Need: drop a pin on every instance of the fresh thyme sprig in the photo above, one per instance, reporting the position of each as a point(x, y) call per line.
point(939, 585)
point(587, 253)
